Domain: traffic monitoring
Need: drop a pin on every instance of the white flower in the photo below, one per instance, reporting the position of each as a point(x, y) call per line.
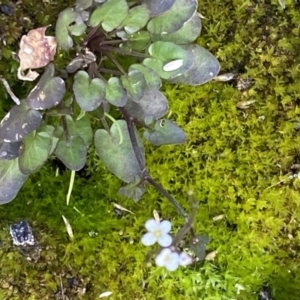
point(158, 232)
point(167, 259)
point(185, 259)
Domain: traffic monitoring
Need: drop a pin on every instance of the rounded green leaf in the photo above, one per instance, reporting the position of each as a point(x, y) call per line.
point(48, 92)
point(83, 4)
point(164, 53)
point(111, 14)
point(88, 93)
point(135, 84)
point(18, 123)
point(153, 103)
point(98, 113)
point(153, 81)
point(136, 19)
point(199, 248)
point(118, 158)
point(157, 7)
point(81, 127)
point(72, 152)
point(11, 180)
point(165, 132)
point(185, 35)
point(35, 151)
point(51, 130)
point(69, 22)
point(137, 41)
point(56, 136)
point(9, 150)
point(115, 93)
point(205, 67)
point(174, 18)
point(134, 190)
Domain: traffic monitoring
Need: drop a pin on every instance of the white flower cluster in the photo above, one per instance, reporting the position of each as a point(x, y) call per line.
point(159, 232)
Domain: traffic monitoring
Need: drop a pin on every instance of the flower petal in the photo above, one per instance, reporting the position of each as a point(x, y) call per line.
point(165, 226)
point(165, 240)
point(148, 239)
point(152, 225)
point(173, 263)
point(161, 258)
point(185, 259)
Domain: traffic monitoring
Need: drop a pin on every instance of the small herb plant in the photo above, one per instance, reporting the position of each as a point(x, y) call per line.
point(121, 52)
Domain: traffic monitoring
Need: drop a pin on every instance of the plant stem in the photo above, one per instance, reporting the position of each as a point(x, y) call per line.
point(160, 189)
point(134, 143)
point(120, 51)
point(145, 174)
point(94, 32)
point(189, 223)
point(115, 62)
point(66, 130)
point(113, 42)
point(114, 72)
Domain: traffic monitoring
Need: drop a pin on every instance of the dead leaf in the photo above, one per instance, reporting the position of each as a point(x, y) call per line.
point(36, 51)
point(282, 3)
point(9, 91)
point(218, 218)
point(245, 104)
point(105, 294)
point(68, 227)
point(122, 208)
point(156, 216)
point(224, 77)
point(211, 255)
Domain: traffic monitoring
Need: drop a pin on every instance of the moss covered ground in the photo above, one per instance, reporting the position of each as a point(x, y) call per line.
point(237, 161)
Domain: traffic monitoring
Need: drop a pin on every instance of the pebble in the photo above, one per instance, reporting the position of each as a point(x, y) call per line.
point(6, 9)
point(21, 234)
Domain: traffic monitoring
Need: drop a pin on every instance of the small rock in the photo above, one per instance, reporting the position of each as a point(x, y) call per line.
point(244, 84)
point(264, 294)
point(6, 9)
point(118, 212)
point(21, 234)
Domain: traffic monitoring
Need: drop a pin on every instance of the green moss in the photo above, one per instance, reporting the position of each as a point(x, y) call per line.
point(237, 162)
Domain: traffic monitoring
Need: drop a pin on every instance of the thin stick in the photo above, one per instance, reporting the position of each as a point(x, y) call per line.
point(160, 189)
point(62, 288)
point(145, 174)
point(9, 91)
